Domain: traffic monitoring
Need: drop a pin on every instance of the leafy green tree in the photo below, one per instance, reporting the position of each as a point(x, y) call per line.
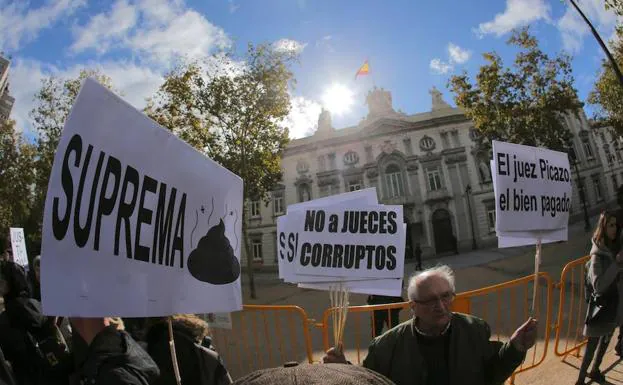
point(234, 112)
point(17, 157)
point(522, 104)
point(615, 5)
point(607, 93)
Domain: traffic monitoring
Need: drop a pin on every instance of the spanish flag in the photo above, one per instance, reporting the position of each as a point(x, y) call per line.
point(363, 70)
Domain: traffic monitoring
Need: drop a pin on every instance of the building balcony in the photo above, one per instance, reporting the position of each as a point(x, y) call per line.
point(438, 195)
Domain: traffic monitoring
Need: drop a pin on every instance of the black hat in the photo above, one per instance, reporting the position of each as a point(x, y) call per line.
point(315, 374)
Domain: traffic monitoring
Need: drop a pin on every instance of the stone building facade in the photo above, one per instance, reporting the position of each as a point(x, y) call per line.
point(606, 180)
point(6, 100)
point(428, 162)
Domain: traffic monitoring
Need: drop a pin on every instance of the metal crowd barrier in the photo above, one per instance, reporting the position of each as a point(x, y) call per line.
point(496, 304)
point(571, 309)
point(269, 336)
point(263, 337)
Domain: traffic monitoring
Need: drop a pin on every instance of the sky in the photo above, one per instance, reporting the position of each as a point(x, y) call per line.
point(411, 45)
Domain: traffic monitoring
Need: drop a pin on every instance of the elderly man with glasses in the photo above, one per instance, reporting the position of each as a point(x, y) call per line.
point(440, 347)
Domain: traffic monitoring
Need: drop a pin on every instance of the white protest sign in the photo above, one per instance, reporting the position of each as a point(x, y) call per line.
point(532, 188)
point(218, 320)
point(136, 223)
point(367, 195)
point(286, 244)
point(349, 240)
point(389, 287)
point(285, 250)
point(526, 238)
point(18, 245)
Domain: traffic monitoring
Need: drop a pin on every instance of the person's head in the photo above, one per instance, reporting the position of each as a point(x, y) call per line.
point(7, 253)
point(36, 264)
point(191, 323)
point(606, 230)
point(13, 281)
point(431, 293)
point(306, 374)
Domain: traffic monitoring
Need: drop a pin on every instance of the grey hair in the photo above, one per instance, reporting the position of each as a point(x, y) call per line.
point(442, 271)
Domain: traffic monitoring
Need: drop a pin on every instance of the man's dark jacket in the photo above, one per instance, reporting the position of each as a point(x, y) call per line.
point(472, 360)
point(114, 358)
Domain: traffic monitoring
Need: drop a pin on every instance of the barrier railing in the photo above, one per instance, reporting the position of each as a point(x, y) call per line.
point(263, 337)
point(503, 319)
point(571, 308)
point(506, 316)
point(267, 336)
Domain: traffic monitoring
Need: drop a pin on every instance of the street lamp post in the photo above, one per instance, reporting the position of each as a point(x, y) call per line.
point(468, 193)
point(587, 224)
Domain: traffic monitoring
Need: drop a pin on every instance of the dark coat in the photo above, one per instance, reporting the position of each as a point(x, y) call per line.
point(35, 286)
point(473, 358)
point(197, 363)
point(603, 272)
point(19, 323)
point(383, 300)
point(6, 372)
point(114, 358)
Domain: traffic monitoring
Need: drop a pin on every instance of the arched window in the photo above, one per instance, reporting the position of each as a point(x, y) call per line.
point(304, 192)
point(394, 182)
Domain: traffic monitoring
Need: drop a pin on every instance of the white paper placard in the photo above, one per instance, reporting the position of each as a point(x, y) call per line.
point(532, 188)
point(349, 240)
point(136, 223)
point(520, 238)
point(218, 320)
point(525, 238)
point(367, 195)
point(18, 245)
point(389, 287)
point(284, 238)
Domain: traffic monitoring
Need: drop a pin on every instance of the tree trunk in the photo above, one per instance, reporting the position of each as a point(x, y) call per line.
point(249, 260)
point(244, 224)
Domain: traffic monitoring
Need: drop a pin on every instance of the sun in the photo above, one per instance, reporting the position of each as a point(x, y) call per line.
point(338, 99)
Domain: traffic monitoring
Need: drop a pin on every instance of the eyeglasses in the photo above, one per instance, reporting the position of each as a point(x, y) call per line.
point(446, 298)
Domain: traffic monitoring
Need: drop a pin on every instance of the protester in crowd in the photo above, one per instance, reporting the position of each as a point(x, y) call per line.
point(438, 346)
point(198, 362)
point(391, 317)
point(328, 374)
point(34, 278)
point(418, 257)
point(107, 355)
point(619, 215)
point(603, 286)
point(27, 337)
point(7, 254)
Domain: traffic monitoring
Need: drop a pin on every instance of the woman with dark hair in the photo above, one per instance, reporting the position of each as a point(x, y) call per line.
point(198, 362)
point(603, 285)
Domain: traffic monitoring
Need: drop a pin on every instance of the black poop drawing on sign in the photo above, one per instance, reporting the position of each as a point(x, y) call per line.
point(213, 260)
